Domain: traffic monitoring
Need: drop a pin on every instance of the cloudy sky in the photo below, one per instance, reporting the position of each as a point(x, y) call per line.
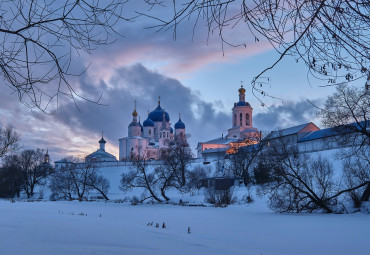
point(193, 76)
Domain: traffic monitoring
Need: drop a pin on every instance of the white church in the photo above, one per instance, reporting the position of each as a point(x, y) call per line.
point(145, 141)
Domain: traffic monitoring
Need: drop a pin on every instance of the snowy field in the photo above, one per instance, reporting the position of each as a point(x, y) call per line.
point(111, 228)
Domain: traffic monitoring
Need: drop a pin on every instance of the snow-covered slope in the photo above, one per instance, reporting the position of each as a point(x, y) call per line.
point(77, 228)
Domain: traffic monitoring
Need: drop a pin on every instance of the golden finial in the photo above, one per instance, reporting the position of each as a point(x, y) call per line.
point(242, 89)
point(134, 113)
point(159, 100)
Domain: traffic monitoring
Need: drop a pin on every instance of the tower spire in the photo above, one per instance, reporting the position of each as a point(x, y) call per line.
point(159, 100)
point(241, 93)
point(134, 113)
point(46, 156)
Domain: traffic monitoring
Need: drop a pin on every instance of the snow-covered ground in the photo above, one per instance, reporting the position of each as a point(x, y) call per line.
point(112, 228)
point(119, 228)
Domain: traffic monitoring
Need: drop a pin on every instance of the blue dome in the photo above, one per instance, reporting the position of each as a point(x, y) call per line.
point(179, 124)
point(243, 103)
point(171, 130)
point(148, 123)
point(157, 115)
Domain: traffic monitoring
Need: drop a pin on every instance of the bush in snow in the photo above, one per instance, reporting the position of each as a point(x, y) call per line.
point(219, 198)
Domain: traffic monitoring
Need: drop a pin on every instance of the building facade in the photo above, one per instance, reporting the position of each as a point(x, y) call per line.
point(145, 141)
point(241, 133)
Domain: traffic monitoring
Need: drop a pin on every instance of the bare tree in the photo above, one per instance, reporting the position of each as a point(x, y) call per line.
point(166, 179)
point(348, 111)
point(9, 140)
point(100, 184)
point(176, 158)
point(39, 41)
point(11, 177)
point(330, 37)
point(61, 184)
point(356, 170)
point(33, 169)
point(302, 184)
point(195, 176)
point(141, 176)
point(242, 162)
point(76, 178)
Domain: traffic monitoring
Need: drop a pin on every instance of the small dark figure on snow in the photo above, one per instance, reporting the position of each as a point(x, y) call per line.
point(189, 231)
point(163, 225)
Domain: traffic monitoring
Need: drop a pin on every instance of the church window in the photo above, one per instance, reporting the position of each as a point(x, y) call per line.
point(241, 119)
point(160, 135)
point(150, 131)
point(167, 135)
point(247, 122)
point(234, 120)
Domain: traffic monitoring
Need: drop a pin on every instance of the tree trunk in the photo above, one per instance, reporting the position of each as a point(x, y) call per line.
point(164, 195)
point(101, 192)
point(366, 195)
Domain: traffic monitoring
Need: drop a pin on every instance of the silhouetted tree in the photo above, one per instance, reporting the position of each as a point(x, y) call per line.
point(330, 37)
point(39, 39)
point(76, 178)
point(347, 111)
point(141, 176)
point(9, 140)
point(302, 184)
point(176, 158)
point(33, 169)
point(11, 177)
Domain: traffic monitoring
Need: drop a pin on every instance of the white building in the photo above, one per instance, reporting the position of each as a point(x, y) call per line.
point(240, 134)
point(100, 155)
point(147, 140)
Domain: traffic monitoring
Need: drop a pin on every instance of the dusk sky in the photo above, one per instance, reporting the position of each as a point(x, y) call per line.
point(191, 74)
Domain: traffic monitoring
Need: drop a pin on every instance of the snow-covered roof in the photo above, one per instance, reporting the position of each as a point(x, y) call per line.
point(62, 161)
point(101, 154)
point(288, 131)
point(215, 150)
point(328, 132)
point(221, 141)
point(133, 137)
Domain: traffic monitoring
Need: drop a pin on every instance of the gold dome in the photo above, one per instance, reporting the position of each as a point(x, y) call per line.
point(134, 113)
point(241, 90)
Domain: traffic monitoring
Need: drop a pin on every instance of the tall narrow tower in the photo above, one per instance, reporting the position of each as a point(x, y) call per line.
point(134, 129)
point(242, 116)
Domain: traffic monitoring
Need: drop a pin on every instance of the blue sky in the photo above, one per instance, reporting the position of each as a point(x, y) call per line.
point(192, 75)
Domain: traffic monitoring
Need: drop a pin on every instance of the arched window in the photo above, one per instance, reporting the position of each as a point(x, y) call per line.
point(234, 119)
point(241, 120)
point(247, 122)
point(150, 131)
